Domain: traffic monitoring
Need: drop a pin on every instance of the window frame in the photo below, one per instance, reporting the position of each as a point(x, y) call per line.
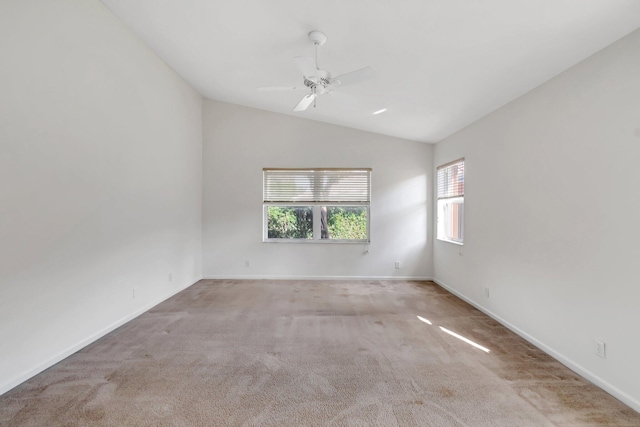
point(316, 209)
point(450, 198)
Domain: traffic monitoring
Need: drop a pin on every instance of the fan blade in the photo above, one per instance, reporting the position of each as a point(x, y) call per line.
point(276, 88)
point(357, 76)
point(305, 102)
point(307, 66)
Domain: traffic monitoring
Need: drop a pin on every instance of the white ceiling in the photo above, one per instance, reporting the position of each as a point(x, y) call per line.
point(440, 64)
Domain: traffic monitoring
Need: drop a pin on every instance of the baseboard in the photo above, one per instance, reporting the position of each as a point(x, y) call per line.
point(79, 346)
point(588, 375)
point(261, 277)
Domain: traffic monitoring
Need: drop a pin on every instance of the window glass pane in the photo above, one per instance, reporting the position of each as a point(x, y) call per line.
point(450, 219)
point(451, 202)
point(289, 222)
point(344, 222)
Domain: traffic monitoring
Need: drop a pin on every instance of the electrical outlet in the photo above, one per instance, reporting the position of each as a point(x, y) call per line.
point(601, 349)
point(135, 292)
point(170, 277)
point(397, 265)
point(486, 292)
point(247, 264)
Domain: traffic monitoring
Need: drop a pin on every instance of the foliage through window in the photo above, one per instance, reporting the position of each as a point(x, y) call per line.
point(450, 215)
point(316, 205)
point(290, 222)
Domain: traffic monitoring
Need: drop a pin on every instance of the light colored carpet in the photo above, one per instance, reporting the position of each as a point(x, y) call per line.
point(294, 353)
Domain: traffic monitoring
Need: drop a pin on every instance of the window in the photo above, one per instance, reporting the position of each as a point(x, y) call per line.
point(451, 202)
point(316, 205)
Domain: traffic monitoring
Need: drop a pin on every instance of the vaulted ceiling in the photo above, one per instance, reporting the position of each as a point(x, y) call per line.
point(439, 64)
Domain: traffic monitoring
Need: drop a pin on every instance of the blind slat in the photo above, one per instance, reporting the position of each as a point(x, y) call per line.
point(451, 180)
point(316, 185)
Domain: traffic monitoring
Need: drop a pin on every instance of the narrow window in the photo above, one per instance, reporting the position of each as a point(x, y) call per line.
point(451, 202)
point(316, 205)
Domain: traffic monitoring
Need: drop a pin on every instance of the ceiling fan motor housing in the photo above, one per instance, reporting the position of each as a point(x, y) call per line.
point(322, 78)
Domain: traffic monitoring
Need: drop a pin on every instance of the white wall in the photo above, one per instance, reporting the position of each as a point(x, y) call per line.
point(240, 141)
point(552, 212)
point(100, 180)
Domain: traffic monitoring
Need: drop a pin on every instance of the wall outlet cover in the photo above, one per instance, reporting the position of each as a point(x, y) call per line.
point(601, 349)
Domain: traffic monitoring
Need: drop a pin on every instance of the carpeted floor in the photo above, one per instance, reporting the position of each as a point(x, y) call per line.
point(294, 353)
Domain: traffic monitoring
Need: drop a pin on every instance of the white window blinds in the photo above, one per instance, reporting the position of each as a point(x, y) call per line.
point(451, 180)
point(317, 185)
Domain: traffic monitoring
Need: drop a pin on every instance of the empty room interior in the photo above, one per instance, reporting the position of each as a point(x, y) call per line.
point(334, 213)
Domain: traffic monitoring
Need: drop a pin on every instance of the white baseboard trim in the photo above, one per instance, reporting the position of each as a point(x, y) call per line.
point(85, 342)
point(588, 375)
point(224, 277)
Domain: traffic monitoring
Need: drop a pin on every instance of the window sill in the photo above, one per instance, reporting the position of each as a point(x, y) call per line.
point(320, 242)
point(451, 241)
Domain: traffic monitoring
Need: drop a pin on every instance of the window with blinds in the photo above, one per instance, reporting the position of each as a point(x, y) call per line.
point(316, 204)
point(450, 206)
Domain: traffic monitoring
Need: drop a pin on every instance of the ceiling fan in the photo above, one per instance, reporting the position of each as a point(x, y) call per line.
point(317, 80)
